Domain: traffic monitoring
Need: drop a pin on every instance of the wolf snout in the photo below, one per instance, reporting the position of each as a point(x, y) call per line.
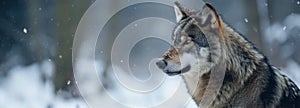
point(162, 64)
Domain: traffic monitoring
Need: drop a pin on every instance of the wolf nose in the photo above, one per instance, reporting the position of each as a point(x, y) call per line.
point(162, 64)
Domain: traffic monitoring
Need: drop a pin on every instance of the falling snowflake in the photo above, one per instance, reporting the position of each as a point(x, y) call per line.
point(69, 82)
point(60, 56)
point(246, 20)
point(25, 30)
point(284, 28)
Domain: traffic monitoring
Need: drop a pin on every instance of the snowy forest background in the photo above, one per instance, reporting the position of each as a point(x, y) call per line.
point(36, 38)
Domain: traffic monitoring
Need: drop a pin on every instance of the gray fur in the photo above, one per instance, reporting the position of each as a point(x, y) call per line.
point(204, 42)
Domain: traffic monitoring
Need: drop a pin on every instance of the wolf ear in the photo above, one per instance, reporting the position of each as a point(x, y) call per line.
point(182, 12)
point(209, 20)
point(212, 27)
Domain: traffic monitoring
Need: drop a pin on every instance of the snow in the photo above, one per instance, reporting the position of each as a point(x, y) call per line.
point(266, 4)
point(25, 88)
point(292, 71)
point(246, 20)
point(284, 28)
point(279, 32)
point(123, 91)
point(69, 82)
point(25, 30)
point(292, 20)
point(275, 33)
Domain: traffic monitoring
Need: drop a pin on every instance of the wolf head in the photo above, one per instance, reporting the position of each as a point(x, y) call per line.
point(197, 41)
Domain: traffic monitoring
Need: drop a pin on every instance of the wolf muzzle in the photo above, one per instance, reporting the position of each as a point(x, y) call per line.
point(163, 65)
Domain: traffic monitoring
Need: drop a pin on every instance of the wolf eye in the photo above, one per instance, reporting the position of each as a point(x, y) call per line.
point(170, 55)
point(188, 41)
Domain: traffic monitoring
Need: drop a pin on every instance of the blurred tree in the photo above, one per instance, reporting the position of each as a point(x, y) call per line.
point(15, 45)
point(254, 33)
point(41, 29)
point(69, 13)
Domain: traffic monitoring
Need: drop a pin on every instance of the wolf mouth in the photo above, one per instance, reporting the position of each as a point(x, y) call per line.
point(184, 70)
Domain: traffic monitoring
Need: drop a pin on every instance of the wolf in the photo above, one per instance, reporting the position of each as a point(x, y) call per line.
point(203, 43)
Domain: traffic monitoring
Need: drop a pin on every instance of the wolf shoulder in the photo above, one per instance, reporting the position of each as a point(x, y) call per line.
point(290, 97)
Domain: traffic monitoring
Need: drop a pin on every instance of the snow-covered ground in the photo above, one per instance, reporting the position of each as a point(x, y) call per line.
point(24, 87)
point(32, 87)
